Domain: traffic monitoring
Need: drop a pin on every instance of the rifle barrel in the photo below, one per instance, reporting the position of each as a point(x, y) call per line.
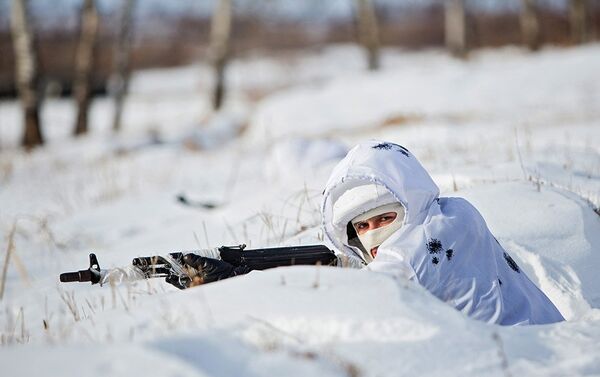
point(79, 276)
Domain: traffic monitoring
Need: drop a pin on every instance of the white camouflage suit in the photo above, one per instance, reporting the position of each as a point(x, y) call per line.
point(444, 244)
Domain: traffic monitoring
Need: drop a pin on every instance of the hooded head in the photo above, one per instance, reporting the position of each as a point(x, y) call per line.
point(372, 175)
point(370, 213)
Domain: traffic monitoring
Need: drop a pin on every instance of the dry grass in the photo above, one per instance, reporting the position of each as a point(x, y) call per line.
point(68, 298)
point(6, 171)
point(9, 250)
point(317, 283)
point(11, 253)
point(57, 330)
point(401, 119)
point(16, 330)
point(504, 365)
point(276, 229)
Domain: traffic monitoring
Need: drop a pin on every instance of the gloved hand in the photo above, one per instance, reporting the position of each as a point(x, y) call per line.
point(210, 270)
point(346, 261)
point(179, 282)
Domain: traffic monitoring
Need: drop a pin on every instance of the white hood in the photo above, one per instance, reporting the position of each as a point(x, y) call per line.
point(388, 165)
point(444, 243)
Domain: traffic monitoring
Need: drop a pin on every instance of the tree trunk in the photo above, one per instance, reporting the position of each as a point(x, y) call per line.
point(120, 79)
point(84, 61)
point(26, 72)
point(220, 34)
point(456, 27)
point(368, 31)
point(578, 19)
point(530, 25)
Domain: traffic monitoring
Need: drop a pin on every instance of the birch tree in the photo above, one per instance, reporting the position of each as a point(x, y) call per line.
point(220, 34)
point(530, 24)
point(456, 27)
point(578, 20)
point(368, 31)
point(120, 79)
point(84, 61)
point(26, 73)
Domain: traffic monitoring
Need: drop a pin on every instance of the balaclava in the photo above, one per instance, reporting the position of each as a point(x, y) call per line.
point(361, 203)
point(375, 237)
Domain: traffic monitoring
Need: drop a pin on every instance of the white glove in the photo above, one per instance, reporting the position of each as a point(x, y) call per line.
point(346, 261)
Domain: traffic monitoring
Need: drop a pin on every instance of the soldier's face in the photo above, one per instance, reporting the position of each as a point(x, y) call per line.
point(373, 223)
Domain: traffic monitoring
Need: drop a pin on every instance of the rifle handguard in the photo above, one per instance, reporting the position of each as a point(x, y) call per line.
point(262, 259)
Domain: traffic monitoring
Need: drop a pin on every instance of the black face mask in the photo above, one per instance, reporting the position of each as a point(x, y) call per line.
point(353, 237)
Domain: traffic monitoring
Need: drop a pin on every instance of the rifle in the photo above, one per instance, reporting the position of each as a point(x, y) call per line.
point(173, 268)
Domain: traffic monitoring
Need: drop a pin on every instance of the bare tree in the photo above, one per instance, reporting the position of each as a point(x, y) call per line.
point(456, 27)
point(368, 31)
point(120, 79)
point(530, 24)
point(26, 72)
point(220, 33)
point(578, 19)
point(84, 61)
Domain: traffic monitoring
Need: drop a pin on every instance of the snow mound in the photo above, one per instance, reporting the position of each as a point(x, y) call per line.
point(218, 129)
point(560, 83)
point(553, 233)
point(302, 321)
point(300, 160)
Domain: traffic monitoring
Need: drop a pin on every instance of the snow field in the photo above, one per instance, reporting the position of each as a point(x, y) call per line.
point(507, 130)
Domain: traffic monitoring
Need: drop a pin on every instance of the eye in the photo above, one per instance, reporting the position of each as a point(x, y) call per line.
point(360, 226)
point(387, 217)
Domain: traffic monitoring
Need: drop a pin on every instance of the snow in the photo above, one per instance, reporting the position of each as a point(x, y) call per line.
point(295, 160)
point(432, 85)
point(514, 133)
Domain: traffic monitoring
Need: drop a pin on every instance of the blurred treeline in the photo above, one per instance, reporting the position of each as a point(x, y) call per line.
point(164, 39)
